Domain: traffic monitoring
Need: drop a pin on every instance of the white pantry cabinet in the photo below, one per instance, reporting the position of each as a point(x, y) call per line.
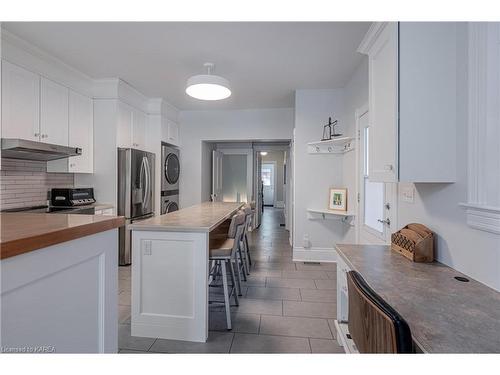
point(139, 120)
point(131, 132)
point(81, 134)
point(412, 101)
point(54, 118)
point(20, 103)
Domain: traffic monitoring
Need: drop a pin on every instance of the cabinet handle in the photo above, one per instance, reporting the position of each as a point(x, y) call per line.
point(386, 221)
point(388, 167)
point(44, 135)
point(37, 134)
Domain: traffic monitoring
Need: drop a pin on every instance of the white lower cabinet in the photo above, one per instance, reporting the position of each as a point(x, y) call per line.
point(81, 134)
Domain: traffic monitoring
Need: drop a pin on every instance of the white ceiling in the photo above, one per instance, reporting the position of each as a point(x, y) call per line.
point(264, 62)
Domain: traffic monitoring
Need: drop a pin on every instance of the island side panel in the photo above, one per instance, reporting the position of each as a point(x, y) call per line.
point(170, 285)
point(62, 298)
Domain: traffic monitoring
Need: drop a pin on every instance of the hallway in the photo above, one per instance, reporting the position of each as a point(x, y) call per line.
point(287, 307)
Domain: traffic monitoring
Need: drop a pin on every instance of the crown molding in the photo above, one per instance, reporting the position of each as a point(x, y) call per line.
point(371, 36)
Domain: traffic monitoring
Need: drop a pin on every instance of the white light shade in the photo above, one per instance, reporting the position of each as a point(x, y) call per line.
point(263, 153)
point(208, 87)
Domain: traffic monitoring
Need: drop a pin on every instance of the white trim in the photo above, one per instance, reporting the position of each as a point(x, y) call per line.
point(483, 177)
point(314, 254)
point(484, 218)
point(371, 36)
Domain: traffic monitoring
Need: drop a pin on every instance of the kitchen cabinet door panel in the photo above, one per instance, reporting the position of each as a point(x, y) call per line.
point(124, 131)
point(54, 118)
point(139, 130)
point(20, 103)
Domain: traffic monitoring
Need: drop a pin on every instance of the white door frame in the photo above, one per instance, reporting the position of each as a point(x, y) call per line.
point(390, 189)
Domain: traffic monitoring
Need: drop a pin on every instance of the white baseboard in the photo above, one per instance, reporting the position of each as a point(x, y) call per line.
point(279, 204)
point(315, 254)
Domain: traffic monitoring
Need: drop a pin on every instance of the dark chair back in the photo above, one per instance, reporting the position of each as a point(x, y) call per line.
point(374, 325)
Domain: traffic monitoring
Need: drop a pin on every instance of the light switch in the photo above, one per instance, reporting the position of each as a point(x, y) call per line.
point(408, 194)
point(147, 247)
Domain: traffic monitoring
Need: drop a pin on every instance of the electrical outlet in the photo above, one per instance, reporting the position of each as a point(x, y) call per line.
point(408, 194)
point(306, 243)
point(147, 247)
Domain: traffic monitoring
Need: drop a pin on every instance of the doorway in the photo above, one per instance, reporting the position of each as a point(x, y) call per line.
point(268, 173)
point(376, 199)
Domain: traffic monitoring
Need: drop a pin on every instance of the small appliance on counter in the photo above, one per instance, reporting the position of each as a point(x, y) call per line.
point(415, 242)
point(72, 197)
point(136, 183)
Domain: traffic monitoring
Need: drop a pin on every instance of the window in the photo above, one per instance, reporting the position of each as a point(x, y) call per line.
point(373, 193)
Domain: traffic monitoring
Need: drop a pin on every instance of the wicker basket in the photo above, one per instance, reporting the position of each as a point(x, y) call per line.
point(415, 242)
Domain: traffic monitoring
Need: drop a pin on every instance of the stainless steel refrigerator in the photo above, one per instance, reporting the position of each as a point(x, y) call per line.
point(136, 182)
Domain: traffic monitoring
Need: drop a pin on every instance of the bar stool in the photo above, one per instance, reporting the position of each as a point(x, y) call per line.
point(224, 253)
point(246, 248)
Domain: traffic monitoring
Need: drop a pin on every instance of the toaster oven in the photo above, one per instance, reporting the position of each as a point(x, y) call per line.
point(72, 196)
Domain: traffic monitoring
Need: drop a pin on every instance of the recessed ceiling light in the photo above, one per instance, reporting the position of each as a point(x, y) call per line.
point(208, 86)
point(263, 153)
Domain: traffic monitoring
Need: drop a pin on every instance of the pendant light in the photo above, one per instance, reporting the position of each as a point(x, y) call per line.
point(208, 86)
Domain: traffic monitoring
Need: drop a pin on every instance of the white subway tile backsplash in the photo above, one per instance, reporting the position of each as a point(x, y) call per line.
point(26, 183)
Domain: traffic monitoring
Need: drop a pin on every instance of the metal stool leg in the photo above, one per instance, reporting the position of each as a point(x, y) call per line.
point(243, 264)
point(248, 250)
point(238, 279)
point(226, 294)
point(234, 288)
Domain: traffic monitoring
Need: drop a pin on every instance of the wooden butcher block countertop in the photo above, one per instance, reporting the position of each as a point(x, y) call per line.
point(25, 232)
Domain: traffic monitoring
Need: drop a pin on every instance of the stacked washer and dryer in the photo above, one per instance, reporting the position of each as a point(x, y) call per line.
point(170, 178)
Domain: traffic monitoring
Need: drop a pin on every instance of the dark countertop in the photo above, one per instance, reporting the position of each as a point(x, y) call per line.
point(445, 315)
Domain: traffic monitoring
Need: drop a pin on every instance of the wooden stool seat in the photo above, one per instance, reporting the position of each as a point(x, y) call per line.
point(222, 248)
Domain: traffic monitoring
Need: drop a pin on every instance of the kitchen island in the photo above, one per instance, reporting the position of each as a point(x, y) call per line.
point(59, 283)
point(170, 271)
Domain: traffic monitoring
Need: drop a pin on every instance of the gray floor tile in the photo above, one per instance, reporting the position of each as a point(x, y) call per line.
point(294, 326)
point(123, 314)
point(273, 293)
point(124, 298)
point(218, 342)
point(241, 322)
point(326, 284)
point(128, 351)
point(275, 282)
point(125, 341)
point(326, 346)
point(301, 266)
point(259, 306)
point(331, 275)
point(310, 309)
point(318, 295)
point(266, 273)
point(267, 266)
point(304, 275)
point(247, 343)
point(331, 323)
point(253, 280)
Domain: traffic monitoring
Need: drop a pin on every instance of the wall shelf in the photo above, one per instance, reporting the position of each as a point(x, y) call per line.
point(339, 145)
point(325, 214)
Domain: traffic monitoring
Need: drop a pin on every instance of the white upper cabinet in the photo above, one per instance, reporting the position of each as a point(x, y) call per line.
point(139, 120)
point(412, 101)
point(20, 103)
point(173, 133)
point(124, 129)
point(54, 117)
point(81, 134)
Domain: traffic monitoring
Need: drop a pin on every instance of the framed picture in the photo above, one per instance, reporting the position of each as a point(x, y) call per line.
point(338, 199)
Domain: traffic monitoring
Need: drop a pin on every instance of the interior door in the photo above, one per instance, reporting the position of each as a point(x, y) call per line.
point(268, 172)
point(217, 157)
point(375, 198)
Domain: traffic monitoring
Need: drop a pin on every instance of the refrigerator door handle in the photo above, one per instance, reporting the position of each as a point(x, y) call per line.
point(141, 181)
point(147, 197)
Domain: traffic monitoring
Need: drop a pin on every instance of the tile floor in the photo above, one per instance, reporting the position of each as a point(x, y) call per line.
point(287, 307)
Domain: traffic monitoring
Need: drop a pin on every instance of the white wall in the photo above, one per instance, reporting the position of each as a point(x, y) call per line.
point(235, 125)
point(314, 174)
